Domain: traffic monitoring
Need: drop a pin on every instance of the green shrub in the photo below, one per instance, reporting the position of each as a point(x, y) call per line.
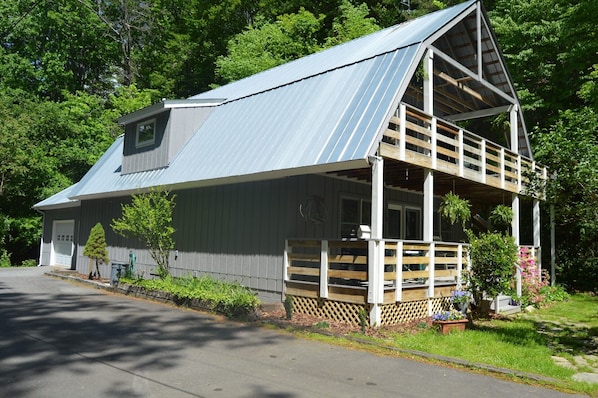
point(322, 325)
point(29, 263)
point(363, 319)
point(230, 298)
point(4, 259)
point(288, 307)
point(493, 256)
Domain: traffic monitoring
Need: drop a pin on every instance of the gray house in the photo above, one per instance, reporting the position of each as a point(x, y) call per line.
point(321, 178)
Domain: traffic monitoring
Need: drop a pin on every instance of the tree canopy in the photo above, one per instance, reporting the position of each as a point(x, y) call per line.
point(70, 67)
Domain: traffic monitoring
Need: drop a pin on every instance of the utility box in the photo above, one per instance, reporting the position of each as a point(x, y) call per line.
point(364, 232)
point(118, 270)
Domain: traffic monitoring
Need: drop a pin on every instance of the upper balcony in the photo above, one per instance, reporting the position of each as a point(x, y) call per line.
point(423, 140)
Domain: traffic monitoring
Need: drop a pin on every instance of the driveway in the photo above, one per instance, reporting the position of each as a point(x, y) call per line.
point(59, 339)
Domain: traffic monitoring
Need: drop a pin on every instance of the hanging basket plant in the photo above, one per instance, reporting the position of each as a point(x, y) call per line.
point(455, 209)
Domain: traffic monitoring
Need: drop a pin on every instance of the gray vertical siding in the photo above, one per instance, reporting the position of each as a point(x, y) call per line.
point(148, 157)
point(173, 130)
point(71, 213)
point(235, 232)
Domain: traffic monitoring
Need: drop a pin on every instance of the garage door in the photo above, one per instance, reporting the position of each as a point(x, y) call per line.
point(63, 243)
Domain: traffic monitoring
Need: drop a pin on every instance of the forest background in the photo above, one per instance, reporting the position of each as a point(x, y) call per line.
point(69, 68)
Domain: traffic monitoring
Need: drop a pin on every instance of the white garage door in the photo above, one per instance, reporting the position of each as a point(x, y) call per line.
point(62, 242)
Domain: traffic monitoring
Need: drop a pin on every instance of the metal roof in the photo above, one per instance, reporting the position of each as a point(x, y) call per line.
point(412, 32)
point(60, 200)
point(324, 112)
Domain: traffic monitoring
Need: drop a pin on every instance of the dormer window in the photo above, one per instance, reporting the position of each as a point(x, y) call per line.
point(146, 133)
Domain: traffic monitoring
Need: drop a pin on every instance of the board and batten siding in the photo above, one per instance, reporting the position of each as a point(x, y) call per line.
point(235, 232)
point(173, 129)
point(66, 214)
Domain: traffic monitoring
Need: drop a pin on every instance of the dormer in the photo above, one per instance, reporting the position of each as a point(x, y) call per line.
point(155, 134)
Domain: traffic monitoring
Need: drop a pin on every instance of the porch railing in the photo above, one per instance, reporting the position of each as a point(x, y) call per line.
point(413, 270)
point(421, 139)
point(338, 269)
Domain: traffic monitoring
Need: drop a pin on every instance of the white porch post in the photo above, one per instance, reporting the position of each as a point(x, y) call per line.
point(428, 82)
point(552, 248)
point(428, 216)
point(515, 228)
point(515, 221)
point(428, 232)
point(375, 244)
point(513, 119)
point(537, 241)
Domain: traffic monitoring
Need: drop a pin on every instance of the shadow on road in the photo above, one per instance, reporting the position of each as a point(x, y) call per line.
point(71, 327)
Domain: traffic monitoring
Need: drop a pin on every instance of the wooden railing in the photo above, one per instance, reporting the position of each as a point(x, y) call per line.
point(338, 270)
point(418, 138)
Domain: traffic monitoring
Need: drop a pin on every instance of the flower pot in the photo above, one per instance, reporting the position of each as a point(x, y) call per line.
point(446, 327)
point(462, 307)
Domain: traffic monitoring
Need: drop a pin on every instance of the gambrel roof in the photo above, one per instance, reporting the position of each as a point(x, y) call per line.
point(327, 111)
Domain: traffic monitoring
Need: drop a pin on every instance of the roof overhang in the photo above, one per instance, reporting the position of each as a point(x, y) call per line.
point(247, 178)
point(161, 106)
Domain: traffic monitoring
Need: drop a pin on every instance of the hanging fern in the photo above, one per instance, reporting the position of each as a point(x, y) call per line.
point(455, 209)
point(501, 217)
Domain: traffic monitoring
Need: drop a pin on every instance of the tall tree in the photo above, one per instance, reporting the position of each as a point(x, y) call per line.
point(291, 36)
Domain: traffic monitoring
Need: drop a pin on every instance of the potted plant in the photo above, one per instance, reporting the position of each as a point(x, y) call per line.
point(448, 321)
point(461, 300)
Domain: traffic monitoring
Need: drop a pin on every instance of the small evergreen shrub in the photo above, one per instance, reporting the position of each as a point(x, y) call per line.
point(288, 307)
point(363, 320)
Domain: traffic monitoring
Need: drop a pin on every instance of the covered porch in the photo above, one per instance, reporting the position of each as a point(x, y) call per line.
point(333, 279)
point(397, 280)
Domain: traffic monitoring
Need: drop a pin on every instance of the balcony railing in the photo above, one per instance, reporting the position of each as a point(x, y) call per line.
point(418, 138)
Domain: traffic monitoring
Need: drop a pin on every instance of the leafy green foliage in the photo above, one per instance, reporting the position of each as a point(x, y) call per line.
point(569, 149)
point(501, 217)
point(228, 297)
point(95, 248)
point(288, 307)
point(149, 219)
point(268, 44)
point(493, 256)
point(455, 209)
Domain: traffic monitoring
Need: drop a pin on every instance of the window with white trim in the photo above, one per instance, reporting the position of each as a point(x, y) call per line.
point(146, 133)
point(403, 222)
point(354, 212)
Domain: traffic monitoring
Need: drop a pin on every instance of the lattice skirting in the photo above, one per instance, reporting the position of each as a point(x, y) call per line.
point(391, 314)
point(334, 310)
point(406, 311)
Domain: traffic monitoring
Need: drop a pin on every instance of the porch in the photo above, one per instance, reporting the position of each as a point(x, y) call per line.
point(335, 279)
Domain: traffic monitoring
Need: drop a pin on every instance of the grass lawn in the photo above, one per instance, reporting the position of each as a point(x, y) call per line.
point(524, 343)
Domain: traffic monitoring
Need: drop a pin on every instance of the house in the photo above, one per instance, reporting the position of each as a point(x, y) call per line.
point(321, 178)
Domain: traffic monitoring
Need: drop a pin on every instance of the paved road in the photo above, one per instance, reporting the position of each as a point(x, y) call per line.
point(63, 340)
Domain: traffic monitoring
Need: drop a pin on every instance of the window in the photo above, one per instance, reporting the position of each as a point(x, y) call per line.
point(394, 228)
point(413, 228)
point(146, 133)
point(354, 212)
point(403, 222)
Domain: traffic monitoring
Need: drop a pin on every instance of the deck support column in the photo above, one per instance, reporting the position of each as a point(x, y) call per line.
point(515, 233)
point(376, 244)
point(537, 242)
point(428, 232)
point(515, 221)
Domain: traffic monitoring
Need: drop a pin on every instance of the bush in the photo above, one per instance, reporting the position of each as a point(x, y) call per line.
point(29, 263)
point(230, 298)
point(4, 258)
point(493, 256)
